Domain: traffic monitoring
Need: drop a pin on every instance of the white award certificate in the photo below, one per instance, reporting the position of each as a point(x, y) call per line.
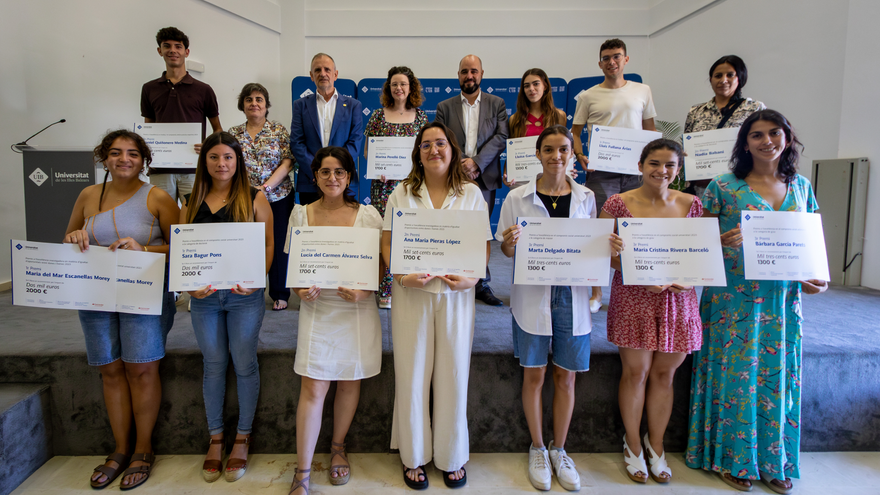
point(389, 156)
point(618, 149)
point(563, 251)
point(522, 164)
point(661, 251)
point(47, 275)
point(332, 257)
point(140, 280)
point(172, 144)
point(783, 245)
point(222, 255)
point(708, 153)
point(438, 242)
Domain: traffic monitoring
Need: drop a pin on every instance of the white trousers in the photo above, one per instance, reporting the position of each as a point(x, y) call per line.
point(432, 336)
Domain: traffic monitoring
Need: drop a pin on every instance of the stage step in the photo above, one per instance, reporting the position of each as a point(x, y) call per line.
point(25, 432)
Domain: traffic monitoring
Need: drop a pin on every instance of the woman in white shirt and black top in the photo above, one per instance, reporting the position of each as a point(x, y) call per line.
point(550, 315)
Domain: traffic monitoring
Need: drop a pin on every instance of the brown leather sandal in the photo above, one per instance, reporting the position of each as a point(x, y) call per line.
point(121, 461)
point(339, 449)
point(149, 458)
point(236, 467)
point(300, 483)
point(217, 466)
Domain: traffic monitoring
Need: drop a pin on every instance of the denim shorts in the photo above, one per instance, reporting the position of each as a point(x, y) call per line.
point(570, 352)
point(133, 338)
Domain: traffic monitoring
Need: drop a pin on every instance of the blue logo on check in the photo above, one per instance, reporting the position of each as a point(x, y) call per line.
point(748, 217)
point(399, 213)
point(688, 138)
point(524, 223)
point(625, 224)
point(372, 140)
point(18, 246)
point(176, 231)
point(296, 232)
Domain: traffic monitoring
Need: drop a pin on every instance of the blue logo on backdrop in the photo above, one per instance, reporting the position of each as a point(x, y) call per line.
point(399, 213)
point(524, 223)
point(625, 224)
point(748, 217)
point(176, 231)
point(18, 246)
point(364, 89)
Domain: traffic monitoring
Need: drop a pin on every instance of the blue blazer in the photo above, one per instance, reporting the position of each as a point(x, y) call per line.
point(305, 135)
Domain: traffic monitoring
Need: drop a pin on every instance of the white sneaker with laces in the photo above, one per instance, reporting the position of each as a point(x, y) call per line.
point(539, 468)
point(565, 470)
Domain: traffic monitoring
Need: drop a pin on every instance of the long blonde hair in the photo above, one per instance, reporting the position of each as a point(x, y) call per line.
point(240, 203)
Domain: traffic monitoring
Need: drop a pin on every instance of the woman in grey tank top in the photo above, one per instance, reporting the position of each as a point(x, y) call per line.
point(126, 213)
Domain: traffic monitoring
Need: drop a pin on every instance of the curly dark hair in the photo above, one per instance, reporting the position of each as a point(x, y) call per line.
point(741, 163)
point(248, 89)
point(612, 44)
point(172, 34)
point(102, 152)
point(415, 98)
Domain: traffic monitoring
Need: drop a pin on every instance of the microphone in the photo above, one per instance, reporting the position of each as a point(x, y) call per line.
point(24, 144)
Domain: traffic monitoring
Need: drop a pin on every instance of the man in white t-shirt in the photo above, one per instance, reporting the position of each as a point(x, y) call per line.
point(615, 103)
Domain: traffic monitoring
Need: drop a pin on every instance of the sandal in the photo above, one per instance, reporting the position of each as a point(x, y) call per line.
point(277, 306)
point(658, 464)
point(236, 467)
point(415, 484)
point(217, 466)
point(339, 449)
point(734, 482)
point(769, 481)
point(300, 483)
point(450, 483)
point(121, 461)
point(634, 464)
point(149, 458)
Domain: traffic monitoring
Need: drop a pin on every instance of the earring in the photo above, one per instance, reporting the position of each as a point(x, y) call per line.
point(106, 169)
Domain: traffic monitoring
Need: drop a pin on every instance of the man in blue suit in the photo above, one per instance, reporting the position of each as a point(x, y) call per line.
point(326, 118)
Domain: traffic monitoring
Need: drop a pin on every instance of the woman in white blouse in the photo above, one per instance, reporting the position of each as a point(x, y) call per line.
point(340, 335)
point(432, 322)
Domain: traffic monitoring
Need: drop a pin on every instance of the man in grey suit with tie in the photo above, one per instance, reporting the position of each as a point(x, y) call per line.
point(479, 122)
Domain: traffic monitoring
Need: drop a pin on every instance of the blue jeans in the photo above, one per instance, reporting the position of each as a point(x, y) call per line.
point(224, 324)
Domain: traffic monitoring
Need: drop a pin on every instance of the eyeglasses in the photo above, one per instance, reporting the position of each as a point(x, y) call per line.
point(440, 144)
point(617, 57)
point(399, 85)
point(339, 173)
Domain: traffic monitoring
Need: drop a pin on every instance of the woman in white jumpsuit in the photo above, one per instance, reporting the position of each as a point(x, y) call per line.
point(432, 322)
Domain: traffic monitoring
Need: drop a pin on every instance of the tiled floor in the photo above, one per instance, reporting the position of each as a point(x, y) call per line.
point(380, 474)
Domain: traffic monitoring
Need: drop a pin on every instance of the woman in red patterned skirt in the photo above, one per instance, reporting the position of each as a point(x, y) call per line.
point(654, 326)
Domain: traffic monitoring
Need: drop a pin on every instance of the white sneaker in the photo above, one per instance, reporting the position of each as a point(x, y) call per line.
point(595, 305)
point(566, 473)
point(539, 468)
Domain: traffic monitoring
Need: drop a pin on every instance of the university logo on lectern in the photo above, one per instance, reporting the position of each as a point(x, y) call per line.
point(38, 176)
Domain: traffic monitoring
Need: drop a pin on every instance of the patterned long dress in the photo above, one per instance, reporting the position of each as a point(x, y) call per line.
point(379, 191)
point(745, 409)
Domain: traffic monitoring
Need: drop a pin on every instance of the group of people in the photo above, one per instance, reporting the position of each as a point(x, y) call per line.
point(746, 337)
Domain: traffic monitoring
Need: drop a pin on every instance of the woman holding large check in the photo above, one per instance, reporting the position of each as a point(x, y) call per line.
point(545, 315)
point(400, 116)
point(126, 213)
point(655, 326)
point(340, 335)
point(745, 421)
point(432, 322)
point(227, 321)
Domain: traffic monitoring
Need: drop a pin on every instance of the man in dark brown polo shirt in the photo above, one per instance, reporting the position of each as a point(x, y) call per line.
point(177, 97)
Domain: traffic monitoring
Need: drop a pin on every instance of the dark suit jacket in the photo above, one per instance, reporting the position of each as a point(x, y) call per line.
point(305, 135)
point(491, 135)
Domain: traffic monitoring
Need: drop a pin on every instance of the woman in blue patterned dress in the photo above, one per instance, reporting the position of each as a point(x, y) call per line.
point(745, 393)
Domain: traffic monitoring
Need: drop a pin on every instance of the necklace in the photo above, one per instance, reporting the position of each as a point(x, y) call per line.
point(554, 200)
point(330, 209)
point(218, 197)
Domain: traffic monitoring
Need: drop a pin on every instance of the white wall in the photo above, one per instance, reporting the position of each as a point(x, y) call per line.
point(813, 60)
point(858, 122)
point(87, 60)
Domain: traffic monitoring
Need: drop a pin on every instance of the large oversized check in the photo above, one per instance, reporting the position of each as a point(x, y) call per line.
point(389, 156)
point(331, 257)
point(47, 275)
point(222, 255)
point(618, 149)
point(783, 245)
point(172, 144)
point(522, 163)
point(563, 251)
point(708, 153)
point(439, 242)
point(661, 251)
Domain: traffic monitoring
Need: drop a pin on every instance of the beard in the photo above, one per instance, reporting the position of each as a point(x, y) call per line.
point(469, 91)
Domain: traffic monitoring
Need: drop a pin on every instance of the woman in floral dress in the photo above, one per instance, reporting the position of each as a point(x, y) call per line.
point(745, 393)
point(399, 117)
